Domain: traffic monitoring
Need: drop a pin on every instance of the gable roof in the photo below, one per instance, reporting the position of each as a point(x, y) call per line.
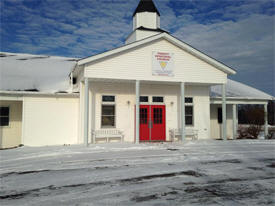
point(35, 73)
point(167, 37)
point(146, 5)
point(239, 90)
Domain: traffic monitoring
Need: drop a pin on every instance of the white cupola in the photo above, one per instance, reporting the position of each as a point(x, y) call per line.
point(146, 15)
point(146, 21)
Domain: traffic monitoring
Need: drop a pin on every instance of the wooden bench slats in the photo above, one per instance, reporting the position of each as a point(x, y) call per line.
point(107, 134)
point(189, 132)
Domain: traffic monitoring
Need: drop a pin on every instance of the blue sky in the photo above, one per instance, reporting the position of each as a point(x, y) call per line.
point(239, 33)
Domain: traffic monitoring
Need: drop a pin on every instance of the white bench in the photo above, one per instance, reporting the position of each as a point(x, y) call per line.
point(189, 132)
point(107, 135)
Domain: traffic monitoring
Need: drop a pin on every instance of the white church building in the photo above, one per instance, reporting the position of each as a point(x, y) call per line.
point(154, 88)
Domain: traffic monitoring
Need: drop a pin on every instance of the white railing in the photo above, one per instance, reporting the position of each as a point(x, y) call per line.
point(107, 135)
point(189, 132)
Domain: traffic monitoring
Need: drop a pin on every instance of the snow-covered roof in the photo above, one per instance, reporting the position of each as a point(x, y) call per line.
point(238, 90)
point(27, 72)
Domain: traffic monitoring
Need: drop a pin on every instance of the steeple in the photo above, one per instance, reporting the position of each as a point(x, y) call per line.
point(146, 21)
point(146, 5)
point(146, 15)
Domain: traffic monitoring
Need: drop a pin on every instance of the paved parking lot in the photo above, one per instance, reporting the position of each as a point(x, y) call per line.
point(191, 173)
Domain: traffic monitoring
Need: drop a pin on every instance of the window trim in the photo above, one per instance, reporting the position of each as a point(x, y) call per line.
point(5, 116)
point(102, 103)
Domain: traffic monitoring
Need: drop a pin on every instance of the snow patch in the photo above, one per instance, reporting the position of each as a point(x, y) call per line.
point(237, 89)
point(27, 72)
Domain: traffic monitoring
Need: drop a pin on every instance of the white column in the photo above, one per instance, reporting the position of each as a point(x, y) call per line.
point(86, 111)
point(224, 132)
point(93, 117)
point(137, 110)
point(265, 121)
point(23, 123)
point(81, 113)
point(182, 95)
point(234, 112)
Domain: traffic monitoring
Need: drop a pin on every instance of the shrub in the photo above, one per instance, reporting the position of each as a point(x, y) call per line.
point(243, 133)
point(255, 119)
point(254, 131)
point(271, 134)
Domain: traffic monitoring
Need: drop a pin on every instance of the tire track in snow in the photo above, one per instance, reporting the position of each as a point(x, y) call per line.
point(120, 181)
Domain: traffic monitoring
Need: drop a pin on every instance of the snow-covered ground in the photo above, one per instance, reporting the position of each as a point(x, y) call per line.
point(190, 173)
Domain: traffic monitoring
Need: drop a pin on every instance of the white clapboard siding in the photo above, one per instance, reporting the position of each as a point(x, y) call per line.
point(50, 120)
point(147, 19)
point(125, 106)
point(137, 64)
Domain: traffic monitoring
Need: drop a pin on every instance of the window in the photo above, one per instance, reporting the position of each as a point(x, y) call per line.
point(188, 100)
point(108, 111)
point(157, 99)
point(4, 116)
point(189, 115)
point(189, 111)
point(251, 114)
point(143, 116)
point(157, 115)
point(74, 80)
point(108, 116)
point(219, 115)
point(108, 98)
point(143, 98)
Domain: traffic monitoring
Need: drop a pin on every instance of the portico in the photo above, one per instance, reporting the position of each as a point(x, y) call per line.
point(174, 96)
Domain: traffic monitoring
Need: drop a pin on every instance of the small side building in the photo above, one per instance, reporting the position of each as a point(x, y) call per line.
point(37, 104)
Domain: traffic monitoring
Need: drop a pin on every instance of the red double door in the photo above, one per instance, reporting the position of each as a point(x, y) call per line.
point(152, 123)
